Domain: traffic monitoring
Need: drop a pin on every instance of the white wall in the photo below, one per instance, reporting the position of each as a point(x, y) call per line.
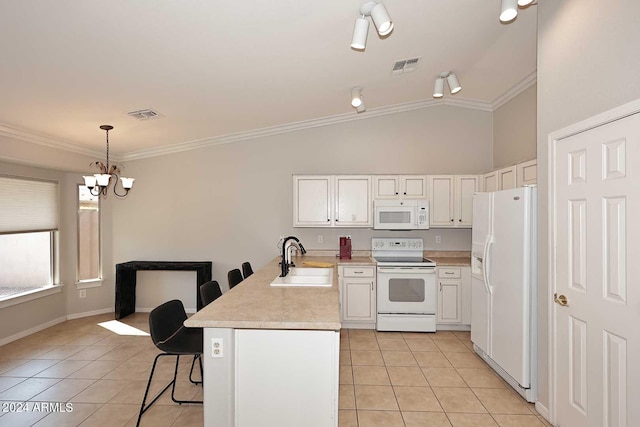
point(230, 203)
point(514, 130)
point(587, 64)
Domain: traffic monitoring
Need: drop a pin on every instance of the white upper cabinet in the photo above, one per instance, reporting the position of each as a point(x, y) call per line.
point(465, 186)
point(332, 201)
point(506, 178)
point(490, 181)
point(450, 204)
point(400, 187)
point(527, 172)
point(353, 201)
point(312, 200)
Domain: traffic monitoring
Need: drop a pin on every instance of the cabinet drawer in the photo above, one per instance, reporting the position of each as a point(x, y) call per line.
point(450, 273)
point(358, 271)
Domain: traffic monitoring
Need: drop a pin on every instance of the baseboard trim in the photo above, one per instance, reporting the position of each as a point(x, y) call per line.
point(89, 313)
point(452, 327)
point(543, 411)
point(33, 330)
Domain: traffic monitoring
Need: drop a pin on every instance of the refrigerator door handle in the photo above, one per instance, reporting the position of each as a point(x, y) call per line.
point(485, 263)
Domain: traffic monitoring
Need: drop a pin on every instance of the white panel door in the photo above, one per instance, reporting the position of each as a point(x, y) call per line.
point(490, 182)
point(414, 187)
point(441, 200)
point(527, 173)
point(506, 178)
point(312, 201)
point(359, 300)
point(448, 301)
point(465, 186)
point(353, 201)
point(386, 186)
point(595, 207)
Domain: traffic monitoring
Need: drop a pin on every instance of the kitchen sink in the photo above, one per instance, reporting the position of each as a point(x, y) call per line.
point(306, 277)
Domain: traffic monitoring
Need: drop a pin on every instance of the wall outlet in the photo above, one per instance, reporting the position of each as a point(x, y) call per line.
point(82, 293)
point(438, 239)
point(216, 348)
point(320, 238)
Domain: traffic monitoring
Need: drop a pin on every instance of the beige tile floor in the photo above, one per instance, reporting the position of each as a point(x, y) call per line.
point(102, 376)
point(386, 379)
point(391, 379)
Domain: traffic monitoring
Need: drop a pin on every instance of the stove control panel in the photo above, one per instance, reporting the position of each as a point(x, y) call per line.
point(396, 244)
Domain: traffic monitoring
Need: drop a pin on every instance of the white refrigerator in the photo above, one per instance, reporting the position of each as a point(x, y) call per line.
point(503, 285)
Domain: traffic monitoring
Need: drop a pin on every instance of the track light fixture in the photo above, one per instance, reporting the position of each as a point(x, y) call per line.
point(509, 9)
point(356, 99)
point(381, 19)
point(452, 81)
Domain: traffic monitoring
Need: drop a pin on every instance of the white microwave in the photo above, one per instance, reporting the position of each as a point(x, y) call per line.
point(401, 214)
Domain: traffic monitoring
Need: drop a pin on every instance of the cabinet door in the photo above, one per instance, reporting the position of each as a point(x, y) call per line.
point(527, 172)
point(441, 200)
point(353, 201)
point(465, 186)
point(386, 187)
point(413, 186)
point(507, 178)
point(490, 182)
point(312, 201)
point(358, 303)
point(448, 301)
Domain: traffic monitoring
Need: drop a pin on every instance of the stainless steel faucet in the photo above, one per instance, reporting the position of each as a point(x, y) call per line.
point(286, 256)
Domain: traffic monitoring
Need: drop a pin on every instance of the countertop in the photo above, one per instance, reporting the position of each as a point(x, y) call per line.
point(450, 258)
point(254, 304)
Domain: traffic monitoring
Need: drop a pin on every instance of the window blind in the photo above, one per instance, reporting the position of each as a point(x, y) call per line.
point(28, 205)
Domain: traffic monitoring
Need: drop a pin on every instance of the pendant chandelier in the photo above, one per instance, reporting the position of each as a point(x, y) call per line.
point(98, 184)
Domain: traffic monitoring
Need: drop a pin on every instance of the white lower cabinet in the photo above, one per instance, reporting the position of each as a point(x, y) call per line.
point(357, 296)
point(454, 298)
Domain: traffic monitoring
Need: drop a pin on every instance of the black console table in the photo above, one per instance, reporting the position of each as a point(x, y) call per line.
point(126, 280)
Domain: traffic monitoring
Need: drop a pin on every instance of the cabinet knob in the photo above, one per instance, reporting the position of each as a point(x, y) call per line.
point(328, 220)
point(451, 219)
point(460, 220)
point(396, 193)
point(405, 193)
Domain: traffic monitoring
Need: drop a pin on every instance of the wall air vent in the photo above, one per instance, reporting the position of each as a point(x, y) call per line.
point(405, 65)
point(145, 114)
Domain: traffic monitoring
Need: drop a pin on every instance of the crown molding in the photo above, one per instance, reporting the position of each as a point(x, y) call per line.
point(46, 141)
point(523, 85)
point(51, 142)
point(306, 124)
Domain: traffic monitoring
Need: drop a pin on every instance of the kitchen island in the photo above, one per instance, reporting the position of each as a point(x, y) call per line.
point(271, 354)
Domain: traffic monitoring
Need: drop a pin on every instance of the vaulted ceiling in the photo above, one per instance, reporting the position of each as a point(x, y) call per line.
point(215, 68)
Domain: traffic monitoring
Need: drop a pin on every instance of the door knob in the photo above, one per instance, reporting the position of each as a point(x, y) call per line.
point(560, 300)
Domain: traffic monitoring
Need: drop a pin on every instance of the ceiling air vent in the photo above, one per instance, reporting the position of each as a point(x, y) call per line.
point(144, 114)
point(405, 65)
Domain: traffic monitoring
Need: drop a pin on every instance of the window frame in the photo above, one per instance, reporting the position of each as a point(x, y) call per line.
point(97, 281)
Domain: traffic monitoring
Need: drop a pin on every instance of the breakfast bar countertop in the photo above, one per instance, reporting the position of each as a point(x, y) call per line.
point(254, 304)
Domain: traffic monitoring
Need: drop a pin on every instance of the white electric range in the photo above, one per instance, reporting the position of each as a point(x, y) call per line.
point(406, 285)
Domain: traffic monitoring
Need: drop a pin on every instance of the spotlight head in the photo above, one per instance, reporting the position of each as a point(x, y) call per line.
point(523, 3)
point(381, 19)
point(356, 96)
point(360, 32)
point(509, 10)
point(454, 85)
point(438, 90)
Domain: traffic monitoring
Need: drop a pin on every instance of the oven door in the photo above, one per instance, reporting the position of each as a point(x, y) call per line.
point(409, 290)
